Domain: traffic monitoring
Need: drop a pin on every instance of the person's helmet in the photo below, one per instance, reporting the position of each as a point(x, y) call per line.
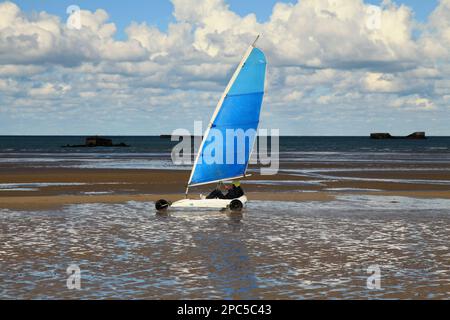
point(236, 183)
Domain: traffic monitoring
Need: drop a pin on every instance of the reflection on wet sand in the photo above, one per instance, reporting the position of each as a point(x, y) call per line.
point(271, 250)
point(230, 269)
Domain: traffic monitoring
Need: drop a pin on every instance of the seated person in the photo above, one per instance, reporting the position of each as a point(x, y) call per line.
point(234, 191)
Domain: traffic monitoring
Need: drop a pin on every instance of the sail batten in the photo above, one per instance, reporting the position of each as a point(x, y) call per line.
point(238, 109)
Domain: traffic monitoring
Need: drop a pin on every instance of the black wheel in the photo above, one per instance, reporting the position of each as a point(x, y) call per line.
point(162, 205)
point(236, 205)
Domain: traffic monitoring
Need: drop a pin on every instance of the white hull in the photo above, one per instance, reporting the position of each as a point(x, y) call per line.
point(206, 203)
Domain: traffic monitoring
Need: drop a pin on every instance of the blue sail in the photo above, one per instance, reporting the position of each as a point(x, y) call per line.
point(238, 110)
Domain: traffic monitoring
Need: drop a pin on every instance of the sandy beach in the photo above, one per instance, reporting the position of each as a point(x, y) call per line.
point(53, 187)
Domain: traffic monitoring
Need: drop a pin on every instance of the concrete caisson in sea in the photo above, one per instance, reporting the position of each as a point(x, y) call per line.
point(385, 135)
point(96, 141)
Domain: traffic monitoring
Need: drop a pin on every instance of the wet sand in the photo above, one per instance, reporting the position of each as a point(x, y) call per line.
point(52, 202)
point(272, 250)
point(53, 187)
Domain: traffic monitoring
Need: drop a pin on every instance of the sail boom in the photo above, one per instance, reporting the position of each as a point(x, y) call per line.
point(219, 180)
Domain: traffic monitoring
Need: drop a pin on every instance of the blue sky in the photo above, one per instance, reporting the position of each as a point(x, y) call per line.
point(329, 72)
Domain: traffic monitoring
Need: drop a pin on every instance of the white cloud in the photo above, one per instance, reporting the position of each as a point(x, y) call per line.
point(379, 82)
point(435, 40)
point(324, 99)
point(43, 38)
point(49, 89)
point(14, 70)
point(327, 62)
point(414, 102)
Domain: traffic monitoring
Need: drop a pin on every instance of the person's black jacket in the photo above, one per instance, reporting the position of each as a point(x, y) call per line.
point(234, 192)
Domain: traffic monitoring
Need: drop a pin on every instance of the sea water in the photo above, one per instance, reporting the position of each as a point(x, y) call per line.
point(153, 152)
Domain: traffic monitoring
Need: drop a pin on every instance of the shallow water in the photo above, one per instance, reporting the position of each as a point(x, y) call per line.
point(272, 250)
point(152, 152)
